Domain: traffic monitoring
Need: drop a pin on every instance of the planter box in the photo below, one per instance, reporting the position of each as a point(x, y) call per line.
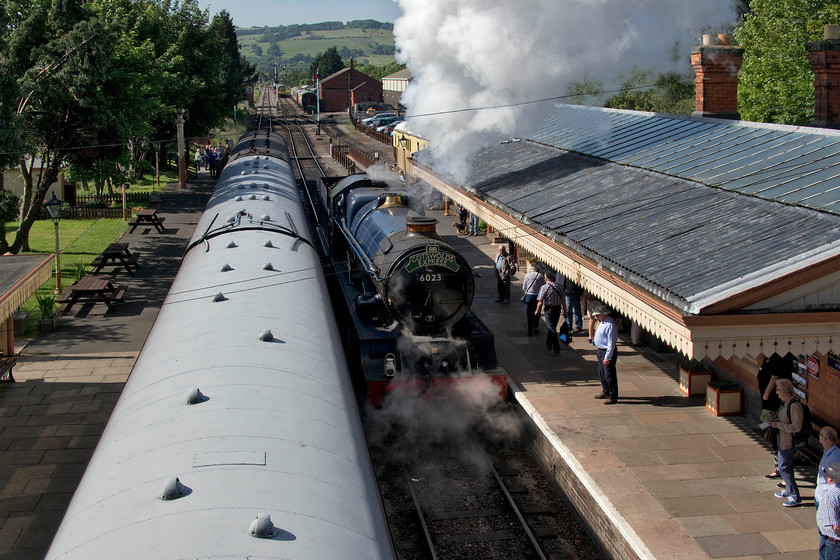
point(21, 322)
point(49, 324)
point(724, 402)
point(693, 383)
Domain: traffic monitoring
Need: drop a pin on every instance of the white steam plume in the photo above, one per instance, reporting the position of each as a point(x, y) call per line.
point(465, 54)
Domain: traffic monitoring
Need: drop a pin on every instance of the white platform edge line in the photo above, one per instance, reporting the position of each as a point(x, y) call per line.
point(603, 501)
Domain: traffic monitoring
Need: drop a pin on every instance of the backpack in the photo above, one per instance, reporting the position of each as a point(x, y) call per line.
point(800, 438)
point(512, 264)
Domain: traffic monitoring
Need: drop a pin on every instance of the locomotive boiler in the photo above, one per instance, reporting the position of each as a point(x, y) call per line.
point(407, 293)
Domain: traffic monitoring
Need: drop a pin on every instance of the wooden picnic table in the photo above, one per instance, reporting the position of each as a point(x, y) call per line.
point(116, 253)
point(146, 216)
point(93, 287)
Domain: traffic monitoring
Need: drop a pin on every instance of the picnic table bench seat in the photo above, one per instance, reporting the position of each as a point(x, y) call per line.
point(64, 296)
point(119, 292)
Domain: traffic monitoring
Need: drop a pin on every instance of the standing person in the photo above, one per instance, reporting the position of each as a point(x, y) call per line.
point(473, 224)
point(461, 224)
point(605, 341)
point(828, 515)
point(572, 293)
point(831, 454)
point(197, 160)
point(531, 285)
point(214, 160)
point(789, 423)
point(503, 274)
point(773, 368)
point(551, 298)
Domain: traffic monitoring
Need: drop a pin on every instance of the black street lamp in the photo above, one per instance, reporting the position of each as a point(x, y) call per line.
point(54, 206)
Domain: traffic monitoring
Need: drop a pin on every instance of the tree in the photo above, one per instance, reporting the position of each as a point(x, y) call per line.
point(326, 63)
point(776, 83)
point(9, 208)
point(59, 57)
point(671, 93)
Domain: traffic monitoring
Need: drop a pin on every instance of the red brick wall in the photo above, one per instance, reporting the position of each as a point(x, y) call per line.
point(716, 79)
point(824, 57)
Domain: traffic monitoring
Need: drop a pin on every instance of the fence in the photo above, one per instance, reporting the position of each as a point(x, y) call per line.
point(76, 213)
point(130, 197)
point(341, 155)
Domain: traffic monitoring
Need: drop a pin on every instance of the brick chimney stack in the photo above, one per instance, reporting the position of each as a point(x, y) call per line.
point(716, 64)
point(824, 57)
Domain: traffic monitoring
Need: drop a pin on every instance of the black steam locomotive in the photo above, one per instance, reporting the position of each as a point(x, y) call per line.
point(405, 292)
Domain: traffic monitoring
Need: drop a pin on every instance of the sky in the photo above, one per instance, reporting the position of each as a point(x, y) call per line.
point(259, 13)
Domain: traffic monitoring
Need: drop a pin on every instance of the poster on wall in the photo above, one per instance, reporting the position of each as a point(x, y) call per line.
point(833, 360)
point(800, 381)
point(814, 366)
point(800, 394)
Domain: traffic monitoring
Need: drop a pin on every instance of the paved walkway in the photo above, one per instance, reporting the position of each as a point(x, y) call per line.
point(677, 482)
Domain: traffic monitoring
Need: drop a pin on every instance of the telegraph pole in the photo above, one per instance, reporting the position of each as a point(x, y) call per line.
point(182, 157)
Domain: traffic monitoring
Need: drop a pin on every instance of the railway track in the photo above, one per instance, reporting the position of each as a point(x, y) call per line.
point(481, 499)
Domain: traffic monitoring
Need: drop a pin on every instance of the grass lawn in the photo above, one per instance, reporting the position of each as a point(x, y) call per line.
point(80, 242)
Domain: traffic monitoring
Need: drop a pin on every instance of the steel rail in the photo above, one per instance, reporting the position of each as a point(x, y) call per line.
point(517, 512)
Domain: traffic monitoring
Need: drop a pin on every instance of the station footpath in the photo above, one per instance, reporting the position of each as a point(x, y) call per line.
point(663, 475)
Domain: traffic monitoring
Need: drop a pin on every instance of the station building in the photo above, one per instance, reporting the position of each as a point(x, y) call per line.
point(345, 88)
point(719, 237)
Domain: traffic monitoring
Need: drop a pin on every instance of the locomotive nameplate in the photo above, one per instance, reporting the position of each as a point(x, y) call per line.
point(432, 257)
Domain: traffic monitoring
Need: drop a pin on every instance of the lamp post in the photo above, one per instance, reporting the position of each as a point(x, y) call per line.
point(53, 207)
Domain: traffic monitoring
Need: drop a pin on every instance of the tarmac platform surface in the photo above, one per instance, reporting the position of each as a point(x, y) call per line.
point(674, 481)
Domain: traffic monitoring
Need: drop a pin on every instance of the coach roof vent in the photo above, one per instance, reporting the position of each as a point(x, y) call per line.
point(196, 396)
point(174, 490)
point(262, 527)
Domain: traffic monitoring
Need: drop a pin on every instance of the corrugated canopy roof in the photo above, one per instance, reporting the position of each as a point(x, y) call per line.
point(661, 200)
point(795, 165)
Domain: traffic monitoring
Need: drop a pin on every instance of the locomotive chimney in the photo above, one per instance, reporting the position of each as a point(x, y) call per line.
point(824, 57)
point(421, 224)
point(390, 200)
point(716, 64)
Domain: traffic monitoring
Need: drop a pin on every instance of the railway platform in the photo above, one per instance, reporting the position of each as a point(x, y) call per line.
point(669, 479)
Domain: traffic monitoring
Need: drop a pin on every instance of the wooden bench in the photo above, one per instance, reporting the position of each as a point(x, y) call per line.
point(119, 293)
point(132, 260)
point(6, 365)
point(64, 296)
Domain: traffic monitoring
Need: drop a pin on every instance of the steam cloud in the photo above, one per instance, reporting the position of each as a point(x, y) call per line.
point(465, 54)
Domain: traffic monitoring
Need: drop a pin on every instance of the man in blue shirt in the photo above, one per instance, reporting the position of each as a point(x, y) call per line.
point(831, 454)
point(605, 341)
point(828, 515)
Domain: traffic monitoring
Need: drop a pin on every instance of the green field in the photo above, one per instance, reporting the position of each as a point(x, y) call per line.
point(298, 52)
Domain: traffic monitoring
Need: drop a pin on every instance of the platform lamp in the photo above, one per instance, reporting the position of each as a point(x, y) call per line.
point(54, 206)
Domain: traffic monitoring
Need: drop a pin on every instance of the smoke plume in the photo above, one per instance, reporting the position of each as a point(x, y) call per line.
point(466, 54)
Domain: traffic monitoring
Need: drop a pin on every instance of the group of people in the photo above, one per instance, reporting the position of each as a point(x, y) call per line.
point(211, 158)
point(786, 418)
point(560, 300)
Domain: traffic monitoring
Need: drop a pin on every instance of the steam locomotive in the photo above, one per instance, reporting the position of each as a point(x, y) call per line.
point(405, 294)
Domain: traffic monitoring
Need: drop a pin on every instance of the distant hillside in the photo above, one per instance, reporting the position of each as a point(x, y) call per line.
point(295, 46)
